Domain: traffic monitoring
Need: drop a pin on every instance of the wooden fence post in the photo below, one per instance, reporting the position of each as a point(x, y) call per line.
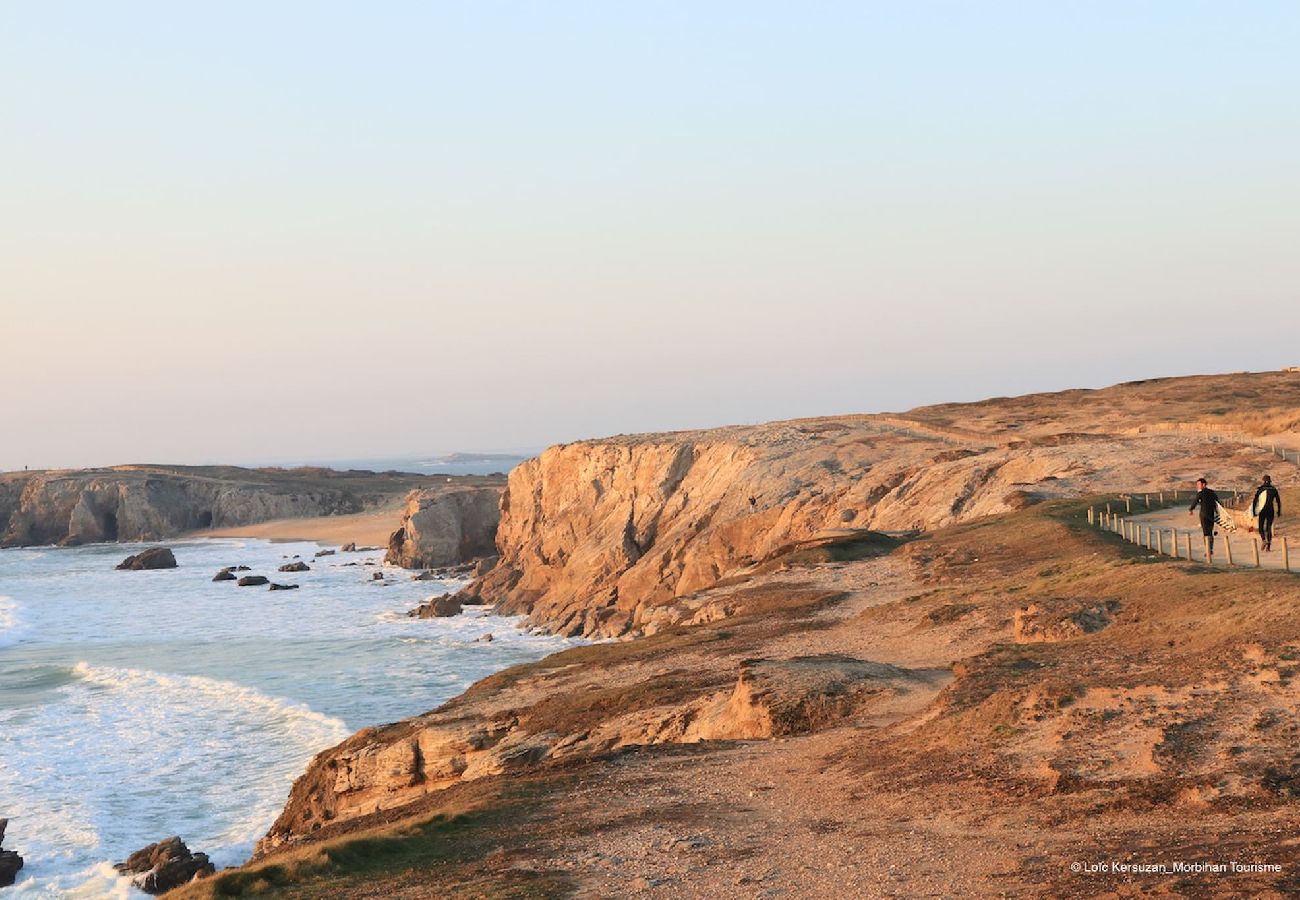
point(1128, 504)
point(1227, 547)
point(1173, 542)
point(1286, 557)
point(1147, 499)
point(1254, 550)
point(1090, 515)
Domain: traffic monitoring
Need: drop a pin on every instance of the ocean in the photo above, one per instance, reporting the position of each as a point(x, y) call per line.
point(138, 705)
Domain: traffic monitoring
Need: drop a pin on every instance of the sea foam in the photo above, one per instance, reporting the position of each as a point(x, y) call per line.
point(134, 706)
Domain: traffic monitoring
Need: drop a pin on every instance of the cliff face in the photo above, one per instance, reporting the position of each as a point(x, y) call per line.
point(604, 538)
point(442, 527)
point(144, 503)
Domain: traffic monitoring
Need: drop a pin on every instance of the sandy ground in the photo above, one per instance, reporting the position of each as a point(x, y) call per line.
point(363, 529)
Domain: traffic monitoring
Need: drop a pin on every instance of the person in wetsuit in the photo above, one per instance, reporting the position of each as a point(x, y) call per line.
point(1208, 501)
point(1272, 507)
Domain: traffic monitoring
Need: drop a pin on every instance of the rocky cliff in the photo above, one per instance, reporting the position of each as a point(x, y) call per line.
point(446, 525)
point(647, 534)
point(143, 503)
point(605, 538)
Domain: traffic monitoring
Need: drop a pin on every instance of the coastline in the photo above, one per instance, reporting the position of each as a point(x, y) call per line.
point(371, 528)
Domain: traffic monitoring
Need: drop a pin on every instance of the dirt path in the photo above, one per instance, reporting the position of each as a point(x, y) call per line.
point(1243, 545)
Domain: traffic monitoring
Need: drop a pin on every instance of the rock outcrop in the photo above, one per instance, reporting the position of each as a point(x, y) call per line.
point(253, 581)
point(165, 865)
point(560, 709)
point(149, 503)
point(439, 607)
point(10, 861)
point(298, 566)
point(151, 558)
point(443, 527)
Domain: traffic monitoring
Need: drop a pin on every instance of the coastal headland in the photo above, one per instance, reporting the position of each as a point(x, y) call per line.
point(861, 655)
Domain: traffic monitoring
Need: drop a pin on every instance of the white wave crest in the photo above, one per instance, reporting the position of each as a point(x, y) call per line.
point(97, 882)
point(11, 628)
point(192, 688)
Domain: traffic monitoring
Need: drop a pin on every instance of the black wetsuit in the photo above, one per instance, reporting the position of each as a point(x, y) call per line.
point(1272, 508)
point(1209, 502)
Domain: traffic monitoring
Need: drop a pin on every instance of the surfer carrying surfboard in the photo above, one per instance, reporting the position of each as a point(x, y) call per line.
point(1266, 505)
point(1208, 501)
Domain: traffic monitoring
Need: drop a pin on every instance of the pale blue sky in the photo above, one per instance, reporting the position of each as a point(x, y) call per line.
point(242, 231)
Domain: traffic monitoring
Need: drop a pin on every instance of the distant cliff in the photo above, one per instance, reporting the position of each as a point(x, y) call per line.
point(144, 503)
point(446, 524)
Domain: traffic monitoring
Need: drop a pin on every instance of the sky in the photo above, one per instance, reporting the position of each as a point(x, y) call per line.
point(291, 231)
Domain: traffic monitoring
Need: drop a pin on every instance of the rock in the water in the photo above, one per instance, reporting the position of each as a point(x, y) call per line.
point(378, 576)
point(165, 865)
point(349, 547)
point(439, 607)
point(487, 638)
point(239, 568)
point(10, 861)
point(485, 564)
point(153, 558)
point(253, 581)
point(295, 567)
point(283, 587)
point(427, 575)
point(320, 553)
point(225, 575)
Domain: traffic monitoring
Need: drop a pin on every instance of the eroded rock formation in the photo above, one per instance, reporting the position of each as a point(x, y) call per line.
point(165, 865)
point(445, 526)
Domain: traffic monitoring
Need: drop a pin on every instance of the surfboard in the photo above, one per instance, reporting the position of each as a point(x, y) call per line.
point(1223, 518)
point(1260, 504)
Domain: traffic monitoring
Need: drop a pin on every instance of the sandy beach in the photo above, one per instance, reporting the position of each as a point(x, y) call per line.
point(364, 529)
